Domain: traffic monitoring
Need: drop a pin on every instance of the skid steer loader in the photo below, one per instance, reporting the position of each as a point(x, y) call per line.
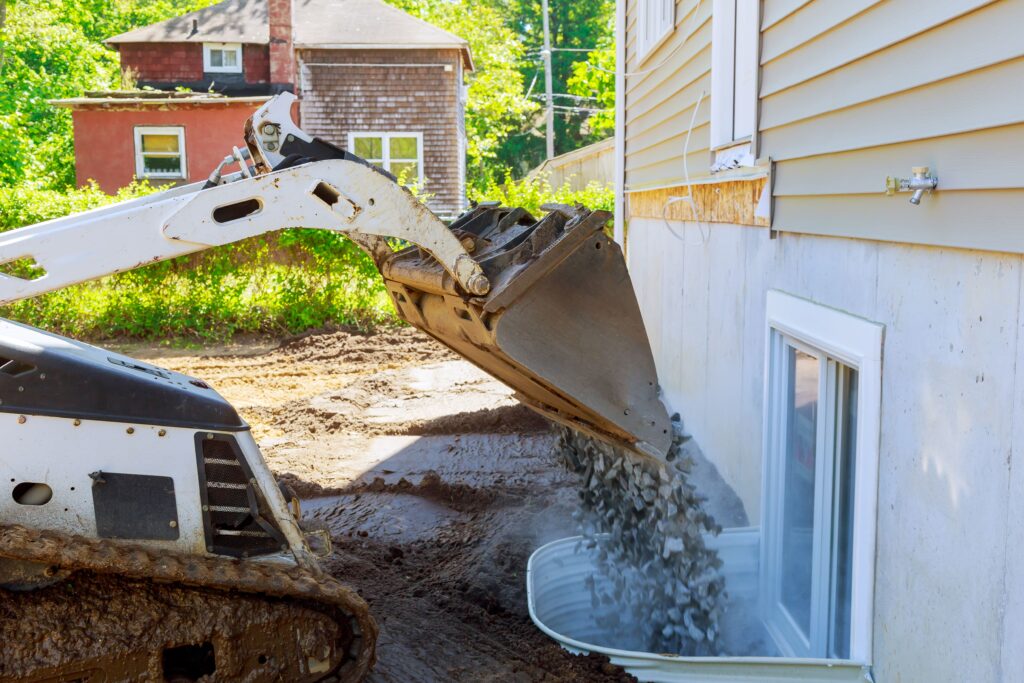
point(142, 536)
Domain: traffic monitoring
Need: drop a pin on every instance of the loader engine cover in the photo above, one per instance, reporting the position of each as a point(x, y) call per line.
point(560, 324)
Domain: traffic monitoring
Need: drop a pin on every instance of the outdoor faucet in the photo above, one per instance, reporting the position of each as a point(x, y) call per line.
point(921, 181)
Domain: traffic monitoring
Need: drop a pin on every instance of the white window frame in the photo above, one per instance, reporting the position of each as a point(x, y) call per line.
point(735, 43)
point(225, 47)
point(140, 167)
point(857, 343)
point(655, 21)
point(386, 147)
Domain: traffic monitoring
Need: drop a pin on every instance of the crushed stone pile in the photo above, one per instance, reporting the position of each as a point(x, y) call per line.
point(661, 589)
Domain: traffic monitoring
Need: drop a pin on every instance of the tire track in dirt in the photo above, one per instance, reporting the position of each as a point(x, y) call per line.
point(434, 484)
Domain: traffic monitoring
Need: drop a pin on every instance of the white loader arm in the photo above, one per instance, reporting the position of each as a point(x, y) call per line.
point(335, 194)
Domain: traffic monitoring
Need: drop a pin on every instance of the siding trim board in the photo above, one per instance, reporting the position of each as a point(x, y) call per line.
point(732, 202)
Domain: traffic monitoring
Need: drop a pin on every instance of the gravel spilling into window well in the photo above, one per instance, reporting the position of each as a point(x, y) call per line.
point(646, 521)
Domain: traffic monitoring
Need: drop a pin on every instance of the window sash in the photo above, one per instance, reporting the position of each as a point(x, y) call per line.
point(387, 161)
point(141, 155)
point(216, 57)
point(820, 639)
point(655, 22)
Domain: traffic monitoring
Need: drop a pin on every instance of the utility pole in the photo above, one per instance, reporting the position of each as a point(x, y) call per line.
point(547, 83)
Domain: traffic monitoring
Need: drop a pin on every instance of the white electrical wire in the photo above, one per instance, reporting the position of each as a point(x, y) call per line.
point(689, 186)
point(664, 59)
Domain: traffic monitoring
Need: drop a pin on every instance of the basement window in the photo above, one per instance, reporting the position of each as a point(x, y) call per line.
point(820, 467)
point(160, 152)
point(222, 58)
point(400, 154)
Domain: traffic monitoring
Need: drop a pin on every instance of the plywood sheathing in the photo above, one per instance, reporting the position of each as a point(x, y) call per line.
point(724, 202)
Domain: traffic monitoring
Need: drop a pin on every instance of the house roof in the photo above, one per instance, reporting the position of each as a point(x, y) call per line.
point(320, 24)
point(231, 21)
point(119, 99)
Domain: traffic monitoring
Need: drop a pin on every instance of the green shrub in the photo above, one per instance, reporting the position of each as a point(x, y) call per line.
point(288, 281)
point(284, 282)
point(532, 192)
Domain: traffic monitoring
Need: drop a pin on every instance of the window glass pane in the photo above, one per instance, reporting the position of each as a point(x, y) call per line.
point(406, 171)
point(152, 142)
point(371, 149)
point(161, 165)
point(217, 58)
point(229, 57)
point(403, 148)
point(846, 452)
point(798, 512)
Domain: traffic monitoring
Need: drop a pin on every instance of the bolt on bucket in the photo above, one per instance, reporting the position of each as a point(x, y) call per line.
point(560, 324)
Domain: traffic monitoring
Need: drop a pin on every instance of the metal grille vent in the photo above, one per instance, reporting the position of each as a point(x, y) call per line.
point(235, 514)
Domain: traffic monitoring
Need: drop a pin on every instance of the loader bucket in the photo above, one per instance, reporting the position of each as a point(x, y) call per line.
point(560, 325)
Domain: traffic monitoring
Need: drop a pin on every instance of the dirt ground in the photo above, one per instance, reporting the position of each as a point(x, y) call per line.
point(435, 484)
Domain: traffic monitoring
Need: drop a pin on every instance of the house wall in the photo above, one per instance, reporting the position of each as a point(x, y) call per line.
point(949, 576)
point(105, 139)
point(346, 91)
point(851, 92)
point(660, 103)
point(163, 64)
point(854, 91)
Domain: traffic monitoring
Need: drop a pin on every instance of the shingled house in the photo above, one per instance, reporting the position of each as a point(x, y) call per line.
point(370, 78)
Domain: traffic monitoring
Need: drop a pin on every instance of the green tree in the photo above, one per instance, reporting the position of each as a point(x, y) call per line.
point(495, 105)
point(594, 82)
point(575, 25)
point(52, 49)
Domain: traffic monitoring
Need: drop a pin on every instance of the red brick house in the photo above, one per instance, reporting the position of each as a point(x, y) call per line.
point(370, 78)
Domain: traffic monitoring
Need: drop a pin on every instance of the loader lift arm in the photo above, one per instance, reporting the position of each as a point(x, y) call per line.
point(342, 195)
point(546, 306)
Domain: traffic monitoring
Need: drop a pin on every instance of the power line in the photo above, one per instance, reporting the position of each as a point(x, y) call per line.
point(588, 110)
point(559, 94)
point(546, 54)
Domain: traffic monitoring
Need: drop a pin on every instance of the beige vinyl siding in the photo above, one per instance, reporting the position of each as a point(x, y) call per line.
point(854, 92)
point(659, 100)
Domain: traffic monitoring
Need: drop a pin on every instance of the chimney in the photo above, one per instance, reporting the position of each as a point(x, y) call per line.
point(282, 52)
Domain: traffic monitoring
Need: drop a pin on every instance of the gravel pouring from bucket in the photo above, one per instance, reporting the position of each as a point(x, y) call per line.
point(560, 323)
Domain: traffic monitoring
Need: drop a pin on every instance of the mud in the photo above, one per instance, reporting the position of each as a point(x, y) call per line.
point(434, 483)
point(115, 619)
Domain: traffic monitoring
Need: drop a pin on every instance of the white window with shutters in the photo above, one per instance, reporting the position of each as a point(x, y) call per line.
point(655, 21)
